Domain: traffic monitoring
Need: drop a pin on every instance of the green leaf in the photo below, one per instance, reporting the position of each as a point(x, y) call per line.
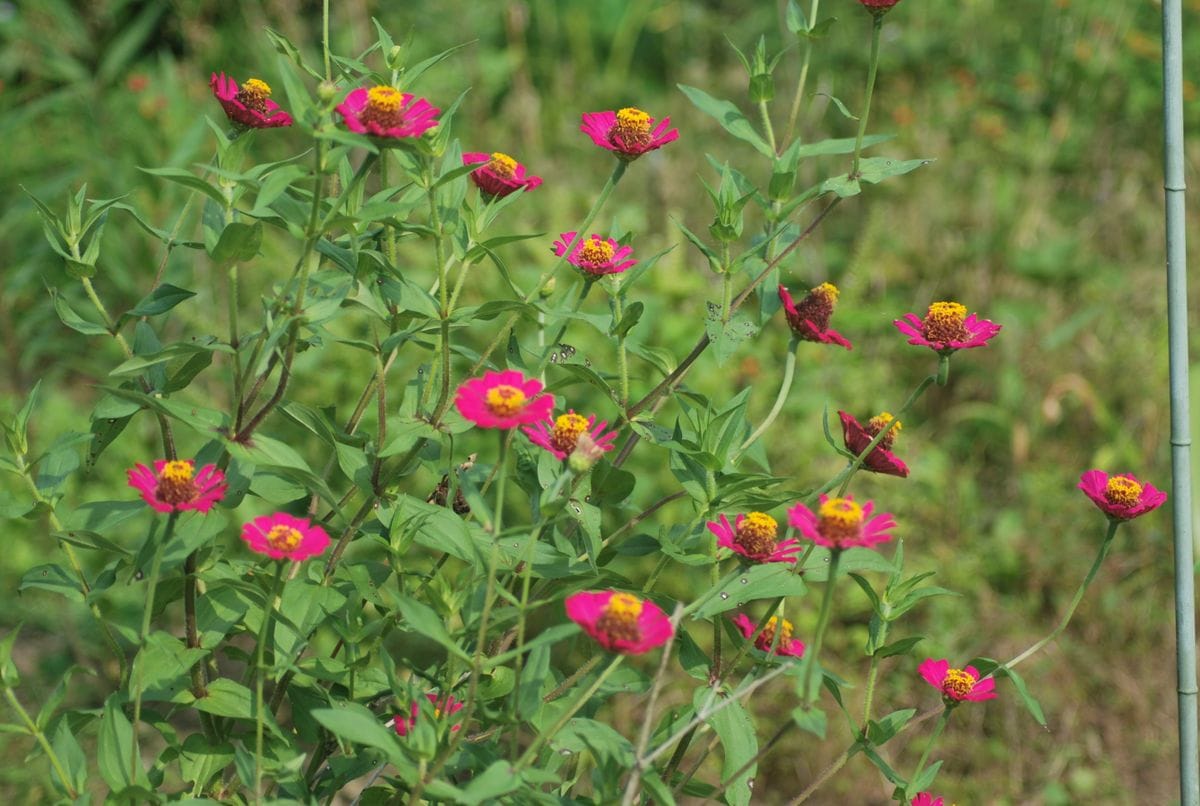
point(880, 731)
point(900, 647)
point(8, 670)
point(74, 320)
point(114, 748)
point(357, 725)
point(165, 662)
point(422, 619)
point(188, 180)
point(764, 581)
point(811, 720)
point(1031, 704)
point(631, 317)
point(72, 758)
point(873, 170)
point(160, 300)
point(727, 337)
point(496, 780)
point(739, 740)
point(227, 698)
point(732, 120)
point(239, 242)
point(52, 578)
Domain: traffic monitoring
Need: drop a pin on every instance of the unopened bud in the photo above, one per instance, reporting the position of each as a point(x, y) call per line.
point(547, 289)
point(327, 91)
point(585, 455)
point(395, 57)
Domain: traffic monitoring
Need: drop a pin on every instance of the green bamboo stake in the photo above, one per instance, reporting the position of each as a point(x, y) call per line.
point(1181, 439)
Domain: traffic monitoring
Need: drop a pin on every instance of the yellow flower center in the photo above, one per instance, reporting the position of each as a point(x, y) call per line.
point(816, 307)
point(767, 636)
point(175, 484)
point(503, 165)
point(254, 93)
point(1123, 491)
point(505, 400)
point(567, 429)
point(840, 520)
point(383, 107)
point(620, 617)
point(944, 322)
point(829, 291)
point(756, 534)
point(631, 129)
point(284, 538)
point(958, 683)
point(880, 422)
point(596, 252)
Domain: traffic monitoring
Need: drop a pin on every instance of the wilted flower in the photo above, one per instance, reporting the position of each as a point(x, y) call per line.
point(563, 433)
point(499, 174)
point(403, 724)
point(786, 645)
point(840, 523)
point(282, 536)
point(503, 400)
point(809, 319)
point(946, 328)
point(620, 622)
point(249, 105)
point(174, 486)
point(384, 111)
point(857, 438)
point(595, 256)
point(755, 536)
point(956, 685)
point(1120, 497)
point(628, 133)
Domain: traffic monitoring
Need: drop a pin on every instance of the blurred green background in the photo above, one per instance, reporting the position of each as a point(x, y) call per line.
point(1042, 211)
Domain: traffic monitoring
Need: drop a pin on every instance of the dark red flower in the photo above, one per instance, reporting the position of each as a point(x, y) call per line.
point(809, 319)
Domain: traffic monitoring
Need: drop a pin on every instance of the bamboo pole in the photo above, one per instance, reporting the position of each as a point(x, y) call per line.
point(1181, 440)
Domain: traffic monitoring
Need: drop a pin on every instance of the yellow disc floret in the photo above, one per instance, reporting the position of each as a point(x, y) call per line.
point(620, 617)
point(567, 429)
point(503, 165)
point(840, 520)
point(596, 252)
point(284, 538)
point(880, 422)
point(175, 484)
point(957, 683)
point(756, 534)
point(254, 93)
point(944, 322)
point(767, 636)
point(631, 129)
point(1123, 491)
point(383, 107)
point(504, 400)
point(829, 291)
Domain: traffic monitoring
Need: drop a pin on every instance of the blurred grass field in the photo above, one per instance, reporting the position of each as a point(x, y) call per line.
point(1042, 211)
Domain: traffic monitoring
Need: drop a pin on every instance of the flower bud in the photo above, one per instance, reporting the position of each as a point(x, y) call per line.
point(585, 455)
point(327, 91)
point(395, 58)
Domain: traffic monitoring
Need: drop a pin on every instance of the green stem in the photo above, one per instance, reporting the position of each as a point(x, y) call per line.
point(789, 371)
point(766, 121)
point(234, 338)
point(872, 676)
point(1066, 619)
point(90, 290)
point(531, 752)
point(823, 617)
point(139, 672)
point(876, 28)
point(812, 20)
point(605, 192)
point(933, 737)
point(260, 674)
point(37, 734)
point(703, 600)
point(622, 357)
point(325, 40)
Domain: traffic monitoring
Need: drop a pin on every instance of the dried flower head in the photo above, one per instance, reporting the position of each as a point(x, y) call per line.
point(809, 319)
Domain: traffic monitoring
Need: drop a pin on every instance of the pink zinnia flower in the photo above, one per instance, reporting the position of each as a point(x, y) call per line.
point(840, 523)
point(595, 256)
point(620, 622)
point(956, 685)
point(924, 798)
point(403, 724)
point(503, 400)
point(500, 174)
point(787, 645)
point(946, 328)
point(857, 438)
point(174, 486)
point(1120, 497)
point(249, 105)
point(628, 132)
point(809, 319)
point(384, 111)
point(281, 536)
point(755, 536)
point(562, 435)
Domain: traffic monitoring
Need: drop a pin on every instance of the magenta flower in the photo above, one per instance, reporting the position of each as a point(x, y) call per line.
point(620, 622)
point(946, 328)
point(956, 685)
point(384, 111)
point(281, 536)
point(503, 400)
point(840, 523)
point(787, 645)
point(562, 435)
point(809, 320)
point(924, 798)
point(628, 132)
point(594, 256)
point(1121, 497)
point(755, 536)
point(500, 175)
point(857, 438)
point(878, 8)
point(249, 105)
point(403, 724)
point(174, 486)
